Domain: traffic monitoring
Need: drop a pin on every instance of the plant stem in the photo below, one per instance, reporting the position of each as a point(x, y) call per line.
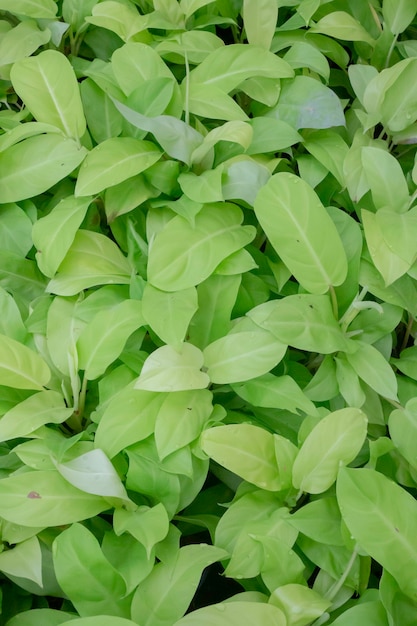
point(333, 591)
point(391, 50)
point(334, 302)
point(187, 89)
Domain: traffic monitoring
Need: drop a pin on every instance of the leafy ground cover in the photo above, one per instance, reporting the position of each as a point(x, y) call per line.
point(208, 292)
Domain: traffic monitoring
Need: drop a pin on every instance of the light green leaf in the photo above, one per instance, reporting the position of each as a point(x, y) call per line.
point(179, 140)
point(245, 450)
point(121, 18)
point(370, 613)
point(188, 7)
point(260, 21)
point(398, 14)
point(407, 363)
point(42, 408)
point(399, 231)
point(182, 255)
point(371, 367)
point(103, 120)
point(93, 473)
point(11, 323)
point(20, 42)
point(167, 369)
point(44, 498)
point(299, 604)
point(99, 620)
point(243, 355)
point(178, 579)
point(181, 419)
point(103, 339)
point(330, 150)
point(15, 230)
point(207, 185)
point(129, 417)
point(148, 525)
point(24, 131)
point(21, 367)
point(402, 424)
point(335, 440)
point(93, 259)
point(276, 392)
point(271, 135)
point(233, 132)
point(112, 162)
point(53, 234)
point(301, 231)
point(243, 178)
point(47, 85)
point(87, 578)
point(23, 561)
point(382, 517)
point(45, 9)
point(235, 614)
point(385, 179)
point(36, 164)
point(320, 520)
point(302, 54)
point(303, 321)
point(342, 25)
point(306, 103)
point(169, 313)
point(210, 101)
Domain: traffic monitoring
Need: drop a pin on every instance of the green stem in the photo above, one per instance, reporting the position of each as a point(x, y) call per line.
point(187, 89)
point(391, 50)
point(335, 306)
point(407, 332)
point(333, 591)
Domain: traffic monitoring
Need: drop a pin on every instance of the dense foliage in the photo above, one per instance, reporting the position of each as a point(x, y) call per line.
point(208, 292)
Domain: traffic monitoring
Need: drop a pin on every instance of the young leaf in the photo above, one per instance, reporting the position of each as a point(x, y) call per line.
point(47, 85)
point(148, 525)
point(241, 356)
point(167, 369)
point(303, 321)
point(86, 576)
point(235, 614)
point(381, 516)
point(42, 408)
point(178, 579)
point(217, 233)
point(245, 450)
point(53, 234)
point(103, 339)
point(93, 259)
point(301, 232)
point(21, 367)
point(227, 67)
point(36, 164)
point(260, 20)
point(336, 439)
point(112, 162)
point(398, 14)
point(44, 498)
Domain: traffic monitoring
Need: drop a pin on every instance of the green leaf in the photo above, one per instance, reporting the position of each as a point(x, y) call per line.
point(148, 525)
point(122, 19)
point(402, 424)
point(306, 103)
point(92, 259)
point(227, 67)
point(15, 230)
point(341, 25)
point(188, 7)
point(21, 367)
point(169, 313)
point(320, 520)
point(235, 614)
point(299, 604)
point(48, 87)
point(301, 232)
point(398, 14)
point(181, 419)
point(245, 450)
point(207, 100)
point(103, 339)
point(167, 369)
point(42, 408)
point(178, 580)
point(53, 234)
point(243, 355)
point(20, 42)
point(216, 234)
point(87, 578)
point(23, 561)
point(371, 613)
point(373, 369)
point(381, 516)
point(260, 20)
point(270, 135)
point(207, 185)
point(302, 54)
point(276, 392)
point(103, 120)
point(100, 620)
point(36, 164)
point(330, 150)
point(112, 162)
point(385, 179)
point(44, 498)
point(129, 417)
point(45, 9)
point(335, 440)
point(303, 321)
